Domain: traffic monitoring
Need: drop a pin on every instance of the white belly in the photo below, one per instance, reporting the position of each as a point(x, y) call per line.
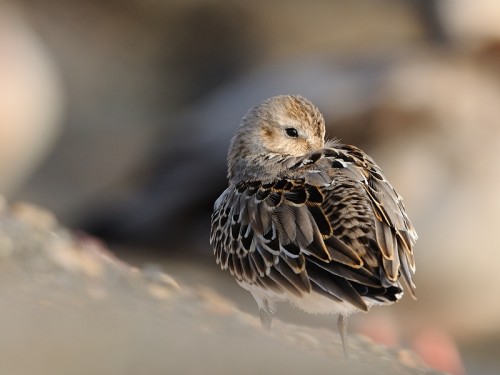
point(313, 303)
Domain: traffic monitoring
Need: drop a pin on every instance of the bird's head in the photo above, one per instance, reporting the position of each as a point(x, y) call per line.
point(282, 125)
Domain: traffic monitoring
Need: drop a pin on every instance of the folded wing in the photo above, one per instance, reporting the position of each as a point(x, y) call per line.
point(335, 226)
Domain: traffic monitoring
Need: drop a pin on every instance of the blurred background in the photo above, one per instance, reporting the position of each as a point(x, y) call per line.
point(116, 116)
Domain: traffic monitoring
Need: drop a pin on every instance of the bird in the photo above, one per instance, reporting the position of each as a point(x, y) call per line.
point(311, 222)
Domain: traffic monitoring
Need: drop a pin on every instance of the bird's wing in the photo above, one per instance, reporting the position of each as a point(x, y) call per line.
point(369, 215)
point(258, 231)
point(301, 233)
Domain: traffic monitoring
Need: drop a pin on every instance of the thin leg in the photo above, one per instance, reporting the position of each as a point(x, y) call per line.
point(342, 326)
point(266, 319)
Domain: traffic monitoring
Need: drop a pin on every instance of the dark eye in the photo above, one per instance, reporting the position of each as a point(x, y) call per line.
point(292, 132)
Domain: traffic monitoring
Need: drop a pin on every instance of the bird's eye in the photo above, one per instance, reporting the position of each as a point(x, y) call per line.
point(292, 132)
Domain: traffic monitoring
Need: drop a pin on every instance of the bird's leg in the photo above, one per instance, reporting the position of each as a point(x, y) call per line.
point(267, 309)
point(266, 318)
point(342, 326)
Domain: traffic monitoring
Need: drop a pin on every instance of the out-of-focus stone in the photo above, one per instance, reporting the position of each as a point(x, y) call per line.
point(36, 216)
point(154, 273)
point(439, 350)
point(409, 358)
point(474, 24)
point(30, 100)
point(215, 303)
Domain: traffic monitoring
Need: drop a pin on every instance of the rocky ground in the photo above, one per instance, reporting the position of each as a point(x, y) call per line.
point(70, 306)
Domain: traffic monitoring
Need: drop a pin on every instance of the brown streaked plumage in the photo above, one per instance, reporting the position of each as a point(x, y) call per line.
point(311, 223)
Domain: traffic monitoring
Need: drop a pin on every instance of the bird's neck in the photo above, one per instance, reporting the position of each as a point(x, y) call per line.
point(261, 167)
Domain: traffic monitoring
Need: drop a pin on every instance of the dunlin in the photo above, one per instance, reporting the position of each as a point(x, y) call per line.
point(310, 222)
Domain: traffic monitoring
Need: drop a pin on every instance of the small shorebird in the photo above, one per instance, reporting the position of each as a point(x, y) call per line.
point(313, 223)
